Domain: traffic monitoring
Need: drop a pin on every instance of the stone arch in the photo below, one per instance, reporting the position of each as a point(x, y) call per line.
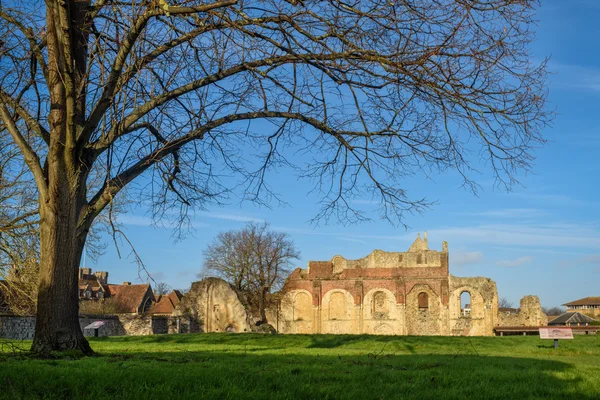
point(302, 306)
point(336, 307)
point(297, 312)
point(337, 314)
point(465, 304)
point(378, 303)
point(339, 264)
point(476, 301)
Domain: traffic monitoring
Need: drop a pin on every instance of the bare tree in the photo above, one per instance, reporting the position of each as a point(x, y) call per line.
point(552, 311)
point(231, 257)
point(368, 93)
point(255, 260)
point(503, 302)
point(161, 288)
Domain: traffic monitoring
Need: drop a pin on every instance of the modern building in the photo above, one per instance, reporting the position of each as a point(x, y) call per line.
point(587, 305)
point(571, 319)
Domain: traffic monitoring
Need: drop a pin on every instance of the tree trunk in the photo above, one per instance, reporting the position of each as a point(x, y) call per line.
point(61, 246)
point(262, 304)
point(63, 225)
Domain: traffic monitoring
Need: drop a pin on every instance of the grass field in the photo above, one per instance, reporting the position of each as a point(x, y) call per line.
point(249, 366)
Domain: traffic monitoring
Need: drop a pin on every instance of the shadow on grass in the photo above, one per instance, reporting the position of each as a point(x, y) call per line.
point(238, 375)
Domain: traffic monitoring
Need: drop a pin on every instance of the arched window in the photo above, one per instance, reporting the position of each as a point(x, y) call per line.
point(337, 306)
point(379, 307)
point(465, 304)
point(147, 305)
point(302, 307)
point(423, 301)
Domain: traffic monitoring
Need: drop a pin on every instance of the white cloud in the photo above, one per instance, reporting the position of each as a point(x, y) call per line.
point(523, 235)
point(510, 213)
point(515, 263)
point(576, 77)
point(349, 239)
point(590, 259)
point(460, 258)
point(551, 198)
point(136, 220)
point(229, 217)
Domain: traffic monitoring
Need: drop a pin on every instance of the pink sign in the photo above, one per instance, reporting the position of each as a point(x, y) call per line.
point(556, 333)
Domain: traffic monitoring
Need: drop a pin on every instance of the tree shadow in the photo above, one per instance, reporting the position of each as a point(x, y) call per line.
point(293, 374)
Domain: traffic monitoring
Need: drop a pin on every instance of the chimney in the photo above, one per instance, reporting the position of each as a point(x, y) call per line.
point(126, 283)
point(102, 276)
point(425, 240)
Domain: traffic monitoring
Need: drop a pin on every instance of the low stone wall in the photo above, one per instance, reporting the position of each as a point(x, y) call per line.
point(530, 314)
point(23, 327)
point(17, 328)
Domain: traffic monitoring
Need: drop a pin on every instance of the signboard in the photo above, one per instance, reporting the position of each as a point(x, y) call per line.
point(95, 325)
point(556, 333)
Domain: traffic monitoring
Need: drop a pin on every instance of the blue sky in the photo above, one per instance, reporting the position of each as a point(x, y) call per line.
point(543, 238)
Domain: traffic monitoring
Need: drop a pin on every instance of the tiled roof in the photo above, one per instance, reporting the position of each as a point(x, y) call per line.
point(571, 318)
point(586, 301)
point(130, 297)
point(165, 304)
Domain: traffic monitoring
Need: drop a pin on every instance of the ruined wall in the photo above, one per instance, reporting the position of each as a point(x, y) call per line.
point(394, 293)
point(423, 311)
point(213, 306)
point(381, 315)
point(483, 315)
point(530, 314)
point(18, 327)
point(377, 294)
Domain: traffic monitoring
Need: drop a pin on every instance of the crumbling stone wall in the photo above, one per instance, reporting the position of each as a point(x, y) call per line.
point(381, 294)
point(530, 314)
point(213, 305)
point(482, 318)
point(423, 311)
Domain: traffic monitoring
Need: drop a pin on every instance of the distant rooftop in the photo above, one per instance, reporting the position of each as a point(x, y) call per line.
point(571, 318)
point(586, 301)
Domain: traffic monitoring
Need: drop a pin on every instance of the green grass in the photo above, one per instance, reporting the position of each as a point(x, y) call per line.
point(249, 366)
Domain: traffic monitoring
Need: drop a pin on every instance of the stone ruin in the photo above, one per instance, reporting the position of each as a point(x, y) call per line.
point(387, 293)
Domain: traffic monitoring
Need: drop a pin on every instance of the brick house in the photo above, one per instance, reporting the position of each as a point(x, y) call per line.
point(165, 304)
point(135, 299)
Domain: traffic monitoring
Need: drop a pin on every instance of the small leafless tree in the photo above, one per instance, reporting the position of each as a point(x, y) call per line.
point(552, 311)
point(255, 260)
point(503, 302)
point(188, 103)
point(161, 288)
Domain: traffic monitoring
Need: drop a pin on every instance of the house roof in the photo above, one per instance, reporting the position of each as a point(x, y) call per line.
point(130, 297)
point(586, 301)
point(571, 318)
point(165, 304)
point(93, 284)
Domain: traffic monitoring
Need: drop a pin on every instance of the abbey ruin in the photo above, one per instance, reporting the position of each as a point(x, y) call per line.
point(395, 293)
